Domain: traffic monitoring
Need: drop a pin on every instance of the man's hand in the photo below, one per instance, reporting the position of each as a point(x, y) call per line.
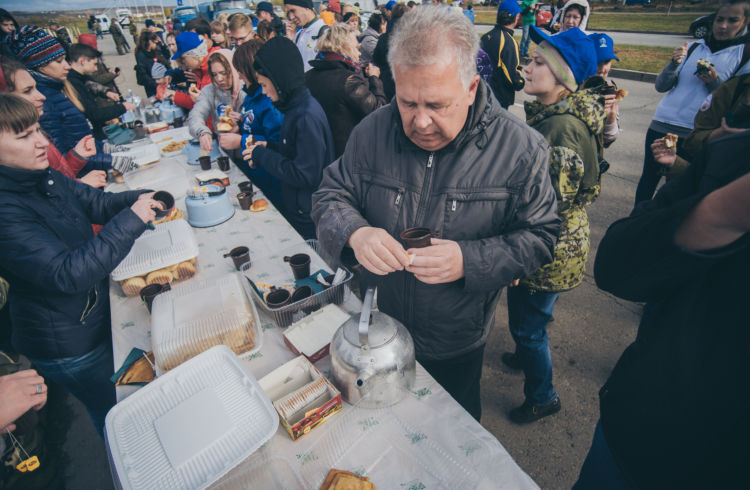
point(190, 76)
point(372, 70)
point(377, 251)
point(724, 130)
point(207, 142)
point(95, 178)
point(144, 208)
point(18, 391)
point(291, 30)
point(113, 96)
point(86, 147)
point(230, 141)
point(247, 154)
point(439, 263)
point(661, 154)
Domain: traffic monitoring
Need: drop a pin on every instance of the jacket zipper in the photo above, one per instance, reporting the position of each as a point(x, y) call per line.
point(453, 206)
point(424, 200)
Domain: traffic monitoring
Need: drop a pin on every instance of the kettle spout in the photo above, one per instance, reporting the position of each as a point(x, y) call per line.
point(363, 376)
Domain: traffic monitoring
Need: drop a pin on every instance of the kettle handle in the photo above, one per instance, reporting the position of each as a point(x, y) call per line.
point(364, 318)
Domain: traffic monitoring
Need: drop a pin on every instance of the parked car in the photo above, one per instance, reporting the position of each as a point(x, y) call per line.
point(702, 26)
point(543, 15)
point(185, 13)
point(103, 21)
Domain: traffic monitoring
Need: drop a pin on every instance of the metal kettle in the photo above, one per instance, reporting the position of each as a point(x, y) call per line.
point(373, 361)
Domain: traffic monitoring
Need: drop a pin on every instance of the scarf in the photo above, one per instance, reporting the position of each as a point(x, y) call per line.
point(328, 56)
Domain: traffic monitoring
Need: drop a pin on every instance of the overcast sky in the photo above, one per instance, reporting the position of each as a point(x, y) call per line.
point(39, 5)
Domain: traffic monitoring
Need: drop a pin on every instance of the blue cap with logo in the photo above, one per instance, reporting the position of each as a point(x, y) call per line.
point(186, 41)
point(605, 47)
point(509, 6)
point(575, 47)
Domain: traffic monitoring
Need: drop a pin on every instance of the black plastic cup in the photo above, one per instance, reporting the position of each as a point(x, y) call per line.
point(301, 294)
point(223, 163)
point(152, 291)
point(300, 264)
point(246, 187)
point(167, 200)
point(205, 162)
point(417, 237)
point(239, 255)
point(278, 298)
point(177, 122)
point(245, 200)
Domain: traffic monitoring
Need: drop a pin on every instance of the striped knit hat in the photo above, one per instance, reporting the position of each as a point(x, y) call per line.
point(35, 47)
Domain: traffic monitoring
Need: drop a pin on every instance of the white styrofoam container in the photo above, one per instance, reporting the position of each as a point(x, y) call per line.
point(168, 176)
point(194, 317)
point(190, 426)
point(143, 154)
point(170, 243)
point(163, 138)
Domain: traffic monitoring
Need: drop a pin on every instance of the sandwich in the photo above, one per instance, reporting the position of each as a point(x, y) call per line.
point(670, 142)
point(704, 66)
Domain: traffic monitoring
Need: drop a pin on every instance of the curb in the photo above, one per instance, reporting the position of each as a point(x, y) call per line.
point(638, 76)
point(661, 33)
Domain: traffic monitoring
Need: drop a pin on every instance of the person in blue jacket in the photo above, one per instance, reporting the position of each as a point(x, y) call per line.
point(57, 268)
point(305, 142)
point(63, 119)
point(259, 120)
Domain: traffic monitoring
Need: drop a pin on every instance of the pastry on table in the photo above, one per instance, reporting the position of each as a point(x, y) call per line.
point(184, 270)
point(346, 480)
point(240, 339)
point(161, 276)
point(133, 286)
point(259, 205)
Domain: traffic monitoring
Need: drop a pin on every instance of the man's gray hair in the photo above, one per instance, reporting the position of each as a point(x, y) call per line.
point(428, 35)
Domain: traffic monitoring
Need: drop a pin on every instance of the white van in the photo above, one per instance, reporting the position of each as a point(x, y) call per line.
point(123, 17)
point(103, 21)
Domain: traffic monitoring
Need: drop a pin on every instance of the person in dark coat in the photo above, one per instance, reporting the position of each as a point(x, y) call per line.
point(146, 54)
point(58, 270)
point(83, 61)
point(305, 142)
point(8, 25)
point(674, 411)
point(338, 84)
point(61, 34)
point(63, 120)
point(502, 49)
point(119, 38)
point(380, 54)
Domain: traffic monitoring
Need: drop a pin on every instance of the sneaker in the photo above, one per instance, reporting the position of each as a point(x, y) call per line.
point(527, 412)
point(511, 360)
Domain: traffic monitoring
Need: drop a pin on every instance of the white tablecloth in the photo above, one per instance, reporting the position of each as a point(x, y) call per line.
point(428, 426)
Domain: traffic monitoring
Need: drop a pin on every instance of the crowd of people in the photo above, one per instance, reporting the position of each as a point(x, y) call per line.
point(358, 132)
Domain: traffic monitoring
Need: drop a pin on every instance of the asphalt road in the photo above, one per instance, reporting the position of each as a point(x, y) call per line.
point(637, 38)
point(590, 331)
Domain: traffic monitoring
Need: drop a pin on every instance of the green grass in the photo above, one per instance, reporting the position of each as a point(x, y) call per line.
point(677, 23)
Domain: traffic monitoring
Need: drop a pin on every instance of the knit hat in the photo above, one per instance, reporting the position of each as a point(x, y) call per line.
point(570, 55)
point(190, 44)
point(264, 7)
point(35, 47)
point(390, 5)
point(334, 6)
point(301, 3)
point(509, 6)
point(605, 47)
point(150, 23)
point(158, 71)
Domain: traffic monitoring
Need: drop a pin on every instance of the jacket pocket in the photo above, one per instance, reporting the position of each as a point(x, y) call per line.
point(476, 215)
point(382, 203)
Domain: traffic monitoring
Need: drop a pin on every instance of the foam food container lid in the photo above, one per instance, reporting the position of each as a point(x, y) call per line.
point(168, 176)
point(190, 426)
point(194, 317)
point(170, 243)
point(143, 154)
point(315, 331)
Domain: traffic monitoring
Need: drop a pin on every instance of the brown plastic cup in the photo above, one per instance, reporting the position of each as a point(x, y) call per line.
point(152, 291)
point(300, 264)
point(223, 163)
point(205, 162)
point(239, 255)
point(245, 199)
point(278, 298)
point(177, 122)
point(167, 200)
point(417, 237)
point(246, 187)
point(302, 293)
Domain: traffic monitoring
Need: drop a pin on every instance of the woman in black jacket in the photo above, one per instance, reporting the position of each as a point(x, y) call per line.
point(148, 52)
point(58, 270)
point(337, 82)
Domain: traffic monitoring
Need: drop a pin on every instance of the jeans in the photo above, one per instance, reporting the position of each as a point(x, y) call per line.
point(525, 40)
point(599, 469)
point(460, 377)
point(87, 378)
point(651, 174)
point(528, 315)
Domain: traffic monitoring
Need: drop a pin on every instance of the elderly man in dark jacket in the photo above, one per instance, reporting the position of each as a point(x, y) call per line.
point(674, 411)
point(445, 156)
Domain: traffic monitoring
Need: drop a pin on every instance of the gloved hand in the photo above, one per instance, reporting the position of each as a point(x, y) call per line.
point(110, 148)
point(123, 164)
